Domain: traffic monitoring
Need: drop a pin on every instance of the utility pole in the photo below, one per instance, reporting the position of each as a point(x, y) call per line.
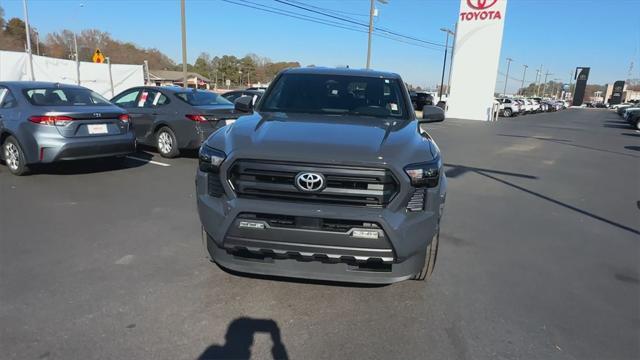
point(184, 44)
point(371, 13)
point(538, 78)
point(524, 73)
point(556, 92)
point(506, 76)
point(544, 88)
point(28, 33)
point(444, 61)
point(570, 84)
point(453, 47)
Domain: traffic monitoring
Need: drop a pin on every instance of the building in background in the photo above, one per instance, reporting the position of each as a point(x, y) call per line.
point(174, 78)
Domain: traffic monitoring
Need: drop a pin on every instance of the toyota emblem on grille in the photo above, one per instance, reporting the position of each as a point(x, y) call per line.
point(308, 181)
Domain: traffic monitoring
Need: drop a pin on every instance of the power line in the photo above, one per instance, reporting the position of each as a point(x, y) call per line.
point(345, 13)
point(286, 13)
point(359, 23)
point(290, 14)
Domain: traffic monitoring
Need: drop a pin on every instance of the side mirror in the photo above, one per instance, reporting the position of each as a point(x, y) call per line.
point(431, 114)
point(244, 104)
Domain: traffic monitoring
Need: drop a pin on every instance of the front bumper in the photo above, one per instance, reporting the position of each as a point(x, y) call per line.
point(396, 255)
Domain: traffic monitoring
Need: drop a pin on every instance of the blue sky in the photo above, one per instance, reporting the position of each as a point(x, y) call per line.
point(558, 34)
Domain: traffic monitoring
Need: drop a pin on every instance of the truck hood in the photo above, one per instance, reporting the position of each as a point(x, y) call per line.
point(324, 139)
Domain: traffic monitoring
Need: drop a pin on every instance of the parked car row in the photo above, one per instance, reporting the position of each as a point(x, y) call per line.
point(521, 106)
point(630, 112)
point(43, 122)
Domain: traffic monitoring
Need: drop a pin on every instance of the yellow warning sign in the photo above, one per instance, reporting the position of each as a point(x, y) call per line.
point(98, 57)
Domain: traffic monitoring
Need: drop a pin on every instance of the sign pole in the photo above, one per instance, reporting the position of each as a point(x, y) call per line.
point(27, 30)
point(147, 77)
point(184, 44)
point(110, 76)
point(75, 45)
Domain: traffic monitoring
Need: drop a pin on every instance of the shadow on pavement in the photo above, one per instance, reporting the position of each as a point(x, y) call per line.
point(534, 137)
point(630, 134)
point(239, 339)
point(90, 166)
point(544, 197)
point(617, 126)
point(300, 280)
point(566, 142)
point(634, 148)
point(457, 170)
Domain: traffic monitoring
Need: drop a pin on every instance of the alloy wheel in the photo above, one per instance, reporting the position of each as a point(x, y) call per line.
point(12, 156)
point(165, 142)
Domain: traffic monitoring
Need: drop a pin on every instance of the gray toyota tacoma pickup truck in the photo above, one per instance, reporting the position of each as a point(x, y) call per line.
point(329, 177)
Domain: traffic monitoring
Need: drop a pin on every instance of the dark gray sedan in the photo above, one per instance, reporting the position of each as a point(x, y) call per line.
point(174, 118)
point(43, 122)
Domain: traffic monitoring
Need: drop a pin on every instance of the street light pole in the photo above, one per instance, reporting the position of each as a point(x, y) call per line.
point(444, 61)
point(524, 73)
point(506, 76)
point(28, 33)
point(184, 43)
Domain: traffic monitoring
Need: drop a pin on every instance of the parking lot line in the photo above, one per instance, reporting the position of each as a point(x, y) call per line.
point(147, 161)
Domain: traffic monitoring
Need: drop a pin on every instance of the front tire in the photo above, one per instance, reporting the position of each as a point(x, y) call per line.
point(14, 157)
point(507, 112)
point(430, 255)
point(166, 143)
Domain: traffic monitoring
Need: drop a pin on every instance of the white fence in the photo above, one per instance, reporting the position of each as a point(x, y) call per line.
point(14, 66)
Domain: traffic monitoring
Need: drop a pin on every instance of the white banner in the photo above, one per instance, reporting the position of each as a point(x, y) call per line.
point(14, 66)
point(476, 57)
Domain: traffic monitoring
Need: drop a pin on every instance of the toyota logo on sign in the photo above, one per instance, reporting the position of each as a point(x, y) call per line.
point(481, 4)
point(309, 182)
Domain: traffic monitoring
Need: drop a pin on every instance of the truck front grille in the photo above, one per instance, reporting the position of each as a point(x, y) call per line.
point(356, 186)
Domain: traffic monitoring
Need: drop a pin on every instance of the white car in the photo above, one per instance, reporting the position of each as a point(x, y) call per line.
point(530, 106)
point(508, 107)
point(616, 106)
point(535, 104)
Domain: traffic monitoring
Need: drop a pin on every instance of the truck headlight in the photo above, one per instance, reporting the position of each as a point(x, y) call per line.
point(209, 159)
point(426, 174)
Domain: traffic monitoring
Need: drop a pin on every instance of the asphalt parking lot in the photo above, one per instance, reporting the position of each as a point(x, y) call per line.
point(539, 258)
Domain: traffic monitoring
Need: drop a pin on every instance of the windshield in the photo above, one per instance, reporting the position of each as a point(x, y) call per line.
point(336, 95)
point(64, 97)
point(198, 98)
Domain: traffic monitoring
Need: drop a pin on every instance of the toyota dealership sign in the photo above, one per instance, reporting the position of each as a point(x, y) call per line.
point(476, 57)
point(480, 10)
